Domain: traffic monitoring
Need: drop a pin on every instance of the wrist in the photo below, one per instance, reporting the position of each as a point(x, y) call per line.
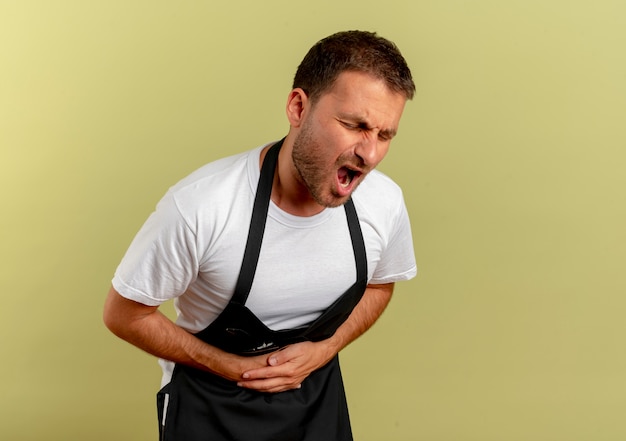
point(331, 346)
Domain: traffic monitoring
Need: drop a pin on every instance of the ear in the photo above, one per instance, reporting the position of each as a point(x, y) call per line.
point(297, 107)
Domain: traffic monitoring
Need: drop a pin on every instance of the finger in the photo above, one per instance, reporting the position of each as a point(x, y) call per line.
point(286, 354)
point(260, 374)
point(283, 370)
point(270, 385)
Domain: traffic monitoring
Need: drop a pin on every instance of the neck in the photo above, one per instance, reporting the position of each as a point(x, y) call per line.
point(288, 192)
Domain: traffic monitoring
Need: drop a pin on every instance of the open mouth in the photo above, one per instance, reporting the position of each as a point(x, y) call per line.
point(346, 176)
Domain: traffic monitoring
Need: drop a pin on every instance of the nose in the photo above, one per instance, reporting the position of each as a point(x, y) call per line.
point(370, 150)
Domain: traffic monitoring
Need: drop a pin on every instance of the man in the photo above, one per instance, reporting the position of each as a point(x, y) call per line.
point(275, 259)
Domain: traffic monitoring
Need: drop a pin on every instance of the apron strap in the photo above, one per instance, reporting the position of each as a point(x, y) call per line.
point(358, 243)
point(257, 228)
point(257, 225)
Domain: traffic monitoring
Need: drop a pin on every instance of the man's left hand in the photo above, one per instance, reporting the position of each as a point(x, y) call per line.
point(288, 367)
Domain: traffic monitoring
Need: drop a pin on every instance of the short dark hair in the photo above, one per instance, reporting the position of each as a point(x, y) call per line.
point(356, 51)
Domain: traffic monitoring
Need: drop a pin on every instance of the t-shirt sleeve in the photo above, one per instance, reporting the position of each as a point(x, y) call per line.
point(397, 260)
point(162, 260)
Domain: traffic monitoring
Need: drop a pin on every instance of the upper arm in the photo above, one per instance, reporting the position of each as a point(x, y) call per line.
point(162, 259)
point(383, 289)
point(376, 298)
point(120, 313)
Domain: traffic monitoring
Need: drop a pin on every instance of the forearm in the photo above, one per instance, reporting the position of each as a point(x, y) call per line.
point(367, 311)
point(159, 336)
point(150, 330)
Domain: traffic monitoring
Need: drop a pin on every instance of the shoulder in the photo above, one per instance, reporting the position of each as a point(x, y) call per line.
point(217, 173)
point(207, 197)
point(379, 203)
point(217, 182)
point(378, 192)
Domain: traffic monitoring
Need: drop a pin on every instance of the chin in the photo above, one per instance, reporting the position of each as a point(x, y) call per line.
point(332, 201)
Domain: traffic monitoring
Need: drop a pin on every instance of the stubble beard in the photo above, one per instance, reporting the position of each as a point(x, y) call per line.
point(312, 172)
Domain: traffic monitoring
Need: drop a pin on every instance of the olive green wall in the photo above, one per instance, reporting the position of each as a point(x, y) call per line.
point(512, 157)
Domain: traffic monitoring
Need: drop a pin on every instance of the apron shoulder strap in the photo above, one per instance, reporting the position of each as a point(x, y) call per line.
point(358, 243)
point(257, 225)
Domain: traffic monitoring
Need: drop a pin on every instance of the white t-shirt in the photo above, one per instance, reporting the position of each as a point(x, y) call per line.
point(191, 247)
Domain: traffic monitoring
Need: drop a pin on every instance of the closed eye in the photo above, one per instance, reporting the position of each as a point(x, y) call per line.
point(351, 126)
point(383, 135)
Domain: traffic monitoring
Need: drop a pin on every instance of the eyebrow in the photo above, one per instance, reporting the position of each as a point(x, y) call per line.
point(388, 133)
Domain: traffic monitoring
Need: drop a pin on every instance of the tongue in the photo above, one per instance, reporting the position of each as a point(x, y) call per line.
point(344, 176)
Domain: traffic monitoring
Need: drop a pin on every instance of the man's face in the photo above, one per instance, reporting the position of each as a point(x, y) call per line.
point(345, 135)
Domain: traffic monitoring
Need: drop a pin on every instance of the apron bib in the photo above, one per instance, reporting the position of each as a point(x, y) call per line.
point(198, 405)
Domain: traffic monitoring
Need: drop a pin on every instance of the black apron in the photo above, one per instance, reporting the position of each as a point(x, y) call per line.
point(198, 405)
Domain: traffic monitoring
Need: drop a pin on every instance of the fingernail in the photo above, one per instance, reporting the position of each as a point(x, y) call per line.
point(273, 361)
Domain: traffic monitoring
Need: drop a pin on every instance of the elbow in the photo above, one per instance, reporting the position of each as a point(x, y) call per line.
point(109, 319)
point(111, 314)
